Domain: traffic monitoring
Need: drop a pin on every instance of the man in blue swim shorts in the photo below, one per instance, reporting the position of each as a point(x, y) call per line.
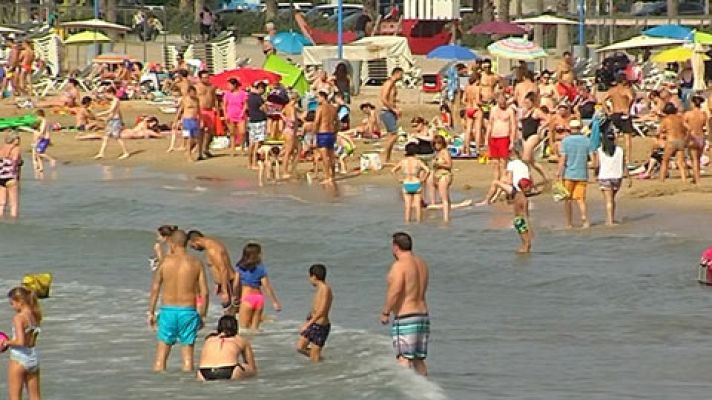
point(390, 112)
point(188, 110)
point(181, 314)
point(405, 299)
point(326, 124)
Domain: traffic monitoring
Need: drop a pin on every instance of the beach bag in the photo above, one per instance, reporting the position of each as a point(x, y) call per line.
point(371, 161)
point(704, 271)
point(559, 191)
point(220, 143)
point(38, 283)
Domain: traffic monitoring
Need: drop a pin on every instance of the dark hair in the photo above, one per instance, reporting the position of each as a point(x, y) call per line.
point(439, 139)
point(203, 73)
point(528, 74)
point(324, 95)
point(86, 100)
point(444, 107)
point(318, 271)
point(567, 53)
point(234, 82)
point(531, 96)
point(41, 113)
point(183, 73)
point(697, 100)
point(194, 234)
point(403, 241)
point(251, 256)
point(274, 150)
point(166, 230)
point(365, 106)
point(669, 109)
point(411, 149)
point(192, 88)
point(397, 70)
point(608, 142)
point(178, 238)
point(417, 120)
point(474, 78)
point(228, 326)
point(73, 81)
point(487, 61)
point(545, 109)
point(111, 90)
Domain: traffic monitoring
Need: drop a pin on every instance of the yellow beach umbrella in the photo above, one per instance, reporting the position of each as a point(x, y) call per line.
point(87, 37)
point(676, 54)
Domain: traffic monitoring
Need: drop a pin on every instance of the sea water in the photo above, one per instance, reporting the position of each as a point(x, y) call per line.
point(590, 315)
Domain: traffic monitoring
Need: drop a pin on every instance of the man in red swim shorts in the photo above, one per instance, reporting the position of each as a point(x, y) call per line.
point(566, 77)
point(501, 135)
point(208, 113)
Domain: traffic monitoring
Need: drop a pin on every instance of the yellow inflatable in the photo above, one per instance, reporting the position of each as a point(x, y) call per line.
point(38, 283)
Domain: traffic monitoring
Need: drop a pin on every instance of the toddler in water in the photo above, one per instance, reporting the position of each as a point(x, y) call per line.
point(40, 142)
point(268, 162)
point(520, 204)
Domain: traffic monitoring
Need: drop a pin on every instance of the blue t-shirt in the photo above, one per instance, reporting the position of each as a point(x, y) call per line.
point(252, 277)
point(576, 148)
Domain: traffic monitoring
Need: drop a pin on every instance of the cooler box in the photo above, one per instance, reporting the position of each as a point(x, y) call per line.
point(432, 83)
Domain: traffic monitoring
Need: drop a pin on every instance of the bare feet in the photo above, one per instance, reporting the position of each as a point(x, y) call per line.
point(98, 156)
point(124, 156)
point(585, 225)
point(482, 203)
point(569, 227)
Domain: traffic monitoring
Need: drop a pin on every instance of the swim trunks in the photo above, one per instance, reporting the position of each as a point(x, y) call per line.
point(178, 324)
point(486, 108)
point(411, 187)
point(317, 334)
point(610, 184)
point(678, 144)
point(41, 145)
point(114, 127)
point(325, 140)
point(470, 112)
point(567, 90)
point(219, 373)
point(208, 117)
point(576, 189)
point(191, 128)
point(390, 121)
point(520, 225)
point(498, 147)
point(410, 334)
point(257, 131)
point(27, 67)
point(623, 123)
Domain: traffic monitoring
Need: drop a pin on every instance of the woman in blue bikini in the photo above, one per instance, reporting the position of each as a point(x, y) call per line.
point(414, 174)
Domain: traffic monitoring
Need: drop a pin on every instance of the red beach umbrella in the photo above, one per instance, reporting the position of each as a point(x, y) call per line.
point(247, 76)
point(497, 28)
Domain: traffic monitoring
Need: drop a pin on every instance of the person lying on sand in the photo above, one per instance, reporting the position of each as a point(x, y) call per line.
point(147, 128)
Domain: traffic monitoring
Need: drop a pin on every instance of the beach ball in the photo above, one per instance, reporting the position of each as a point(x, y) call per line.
point(3, 337)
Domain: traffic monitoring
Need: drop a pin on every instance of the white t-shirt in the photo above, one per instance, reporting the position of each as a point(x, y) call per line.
point(519, 170)
point(611, 166)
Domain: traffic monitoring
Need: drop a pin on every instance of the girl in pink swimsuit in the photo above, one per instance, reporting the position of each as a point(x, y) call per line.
point(234, 103)
point(253, 276)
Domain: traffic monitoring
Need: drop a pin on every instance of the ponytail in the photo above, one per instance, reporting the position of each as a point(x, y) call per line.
point(29, 298)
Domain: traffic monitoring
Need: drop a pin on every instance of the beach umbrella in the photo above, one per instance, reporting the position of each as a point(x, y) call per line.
point(292, 76)
point(698, 68)
point(702, 38)
point(247, 76)
point(452, 52)
point(113, 58)
point(87, 37)
point(290, 42)
point(675, 54)
point(96, 24)
point(641, 41)
point(545, 20)
point(516, 49)
point(671, 31)
point(497, 28)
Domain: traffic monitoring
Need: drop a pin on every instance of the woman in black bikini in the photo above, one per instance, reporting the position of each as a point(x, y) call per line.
point(220, 357)
point(531, 120)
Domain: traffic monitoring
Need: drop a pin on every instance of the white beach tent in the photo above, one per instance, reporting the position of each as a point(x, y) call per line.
point(545, 20)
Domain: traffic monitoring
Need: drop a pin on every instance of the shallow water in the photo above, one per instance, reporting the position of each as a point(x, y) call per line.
point(595, 315)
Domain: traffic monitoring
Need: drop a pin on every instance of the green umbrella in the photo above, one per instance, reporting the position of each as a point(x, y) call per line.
point(292, 75)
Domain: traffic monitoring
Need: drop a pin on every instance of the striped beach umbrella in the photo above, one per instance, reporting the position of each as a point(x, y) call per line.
point(517, 49)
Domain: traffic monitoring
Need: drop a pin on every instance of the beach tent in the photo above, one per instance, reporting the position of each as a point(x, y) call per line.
point(545, 20)
point(292, 75)
point(394, 49)
point(640, 42)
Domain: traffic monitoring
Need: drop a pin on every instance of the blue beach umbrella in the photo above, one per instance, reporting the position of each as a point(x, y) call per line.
point(452, 52)
point(290, 42)
point(671, 31)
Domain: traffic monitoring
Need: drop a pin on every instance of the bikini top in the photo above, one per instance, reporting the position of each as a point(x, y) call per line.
point(32, 330)
point(252, 277)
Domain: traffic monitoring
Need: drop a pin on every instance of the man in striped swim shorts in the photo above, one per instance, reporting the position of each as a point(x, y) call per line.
point(405, 299)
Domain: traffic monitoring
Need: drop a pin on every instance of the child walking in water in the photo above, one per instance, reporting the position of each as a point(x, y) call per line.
point(414, 172)
point(40, 143)
point(315, 330)
point(521, 213)
point(253, 276)
point(23, 369)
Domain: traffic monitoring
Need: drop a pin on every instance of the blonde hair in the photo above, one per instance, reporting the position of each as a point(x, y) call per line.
point(27, 297)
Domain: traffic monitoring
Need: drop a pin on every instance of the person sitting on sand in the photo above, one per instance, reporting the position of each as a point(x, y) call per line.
point(85, 118)
point(222, 350)
point(344, 149)
point(267, 163)
point(414, 173)
point(516, 171)
point(70, 98)
point(370, 126)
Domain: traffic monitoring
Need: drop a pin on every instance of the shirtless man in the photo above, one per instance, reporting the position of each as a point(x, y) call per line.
point(85, 118)
point(524, 87)
point(673, 128)
point(405, 299)
point(220, 357)
point(180, 65)
point(315, 331)
point(13, 59)
point(696, 122)
point(27, 58)
point(621, 98)
point(326, 124)
point(322, 84)
point(182, 83)
point(390, 112)
point(566, 77)
point(221, 269)
point(208, 114)
point(189, 110)
point(501, 135)
point(666, 96)
point(471, 100)
point(489, 82)
point(114, 126)
point(182, 277)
